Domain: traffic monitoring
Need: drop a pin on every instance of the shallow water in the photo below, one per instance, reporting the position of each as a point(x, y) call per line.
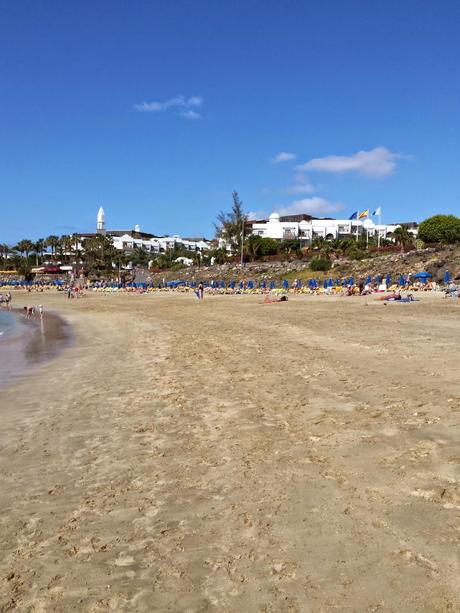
point(25, 343)
point(8, 323)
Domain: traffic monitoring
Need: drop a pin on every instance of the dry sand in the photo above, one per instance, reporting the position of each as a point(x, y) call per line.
point(234, 456)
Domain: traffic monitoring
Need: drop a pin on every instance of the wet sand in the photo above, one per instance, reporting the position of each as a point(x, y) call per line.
point(234, 456)
point(31, 342)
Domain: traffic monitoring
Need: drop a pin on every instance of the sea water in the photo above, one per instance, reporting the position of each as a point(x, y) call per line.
point(28, 342)
point(8, 324)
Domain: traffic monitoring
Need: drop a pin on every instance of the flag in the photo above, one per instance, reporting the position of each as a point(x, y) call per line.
point(378, 211)
point(364, 214)
point(354, 216)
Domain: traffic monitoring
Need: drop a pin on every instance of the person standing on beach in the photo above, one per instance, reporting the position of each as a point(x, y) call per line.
point(40, 310)
point(200, 291)
point(8, 301)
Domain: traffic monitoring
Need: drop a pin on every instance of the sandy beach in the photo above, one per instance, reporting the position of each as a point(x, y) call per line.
point(232, 456)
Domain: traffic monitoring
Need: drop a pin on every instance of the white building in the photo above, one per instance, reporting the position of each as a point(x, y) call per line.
point(127, 240)
point(329, 229)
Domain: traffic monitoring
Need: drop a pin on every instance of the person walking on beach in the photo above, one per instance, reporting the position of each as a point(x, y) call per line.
point(8, 301)
point(40, 310)
point(200, 291)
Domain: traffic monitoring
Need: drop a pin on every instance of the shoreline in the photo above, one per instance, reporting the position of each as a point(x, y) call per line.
point(32, 342)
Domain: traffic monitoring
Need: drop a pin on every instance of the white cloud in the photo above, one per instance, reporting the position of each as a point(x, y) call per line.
point(301, 185)
point(313, 206)
point(190, 114)
point(252, 215)
point(283, 156)
point(378, 162)
point(179, 103)
point(300, 188)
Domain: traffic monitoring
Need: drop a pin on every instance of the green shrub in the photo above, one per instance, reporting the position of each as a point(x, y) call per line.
point(355, 253)
point(440, 229)
point(320, 264)
point(268, 246)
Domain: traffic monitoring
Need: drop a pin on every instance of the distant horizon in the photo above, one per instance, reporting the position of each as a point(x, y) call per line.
point(159, 113)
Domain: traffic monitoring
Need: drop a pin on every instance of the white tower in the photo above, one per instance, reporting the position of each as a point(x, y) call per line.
point(101, 221)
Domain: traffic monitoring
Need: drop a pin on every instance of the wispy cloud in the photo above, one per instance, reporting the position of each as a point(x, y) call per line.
point(300, 185)
point(314, 206)
point(190, 114)
point(184, 106)
point(283, 156)
point(377, 163)
point(257, 215)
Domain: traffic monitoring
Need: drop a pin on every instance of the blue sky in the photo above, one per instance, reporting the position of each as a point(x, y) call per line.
point(158, 111)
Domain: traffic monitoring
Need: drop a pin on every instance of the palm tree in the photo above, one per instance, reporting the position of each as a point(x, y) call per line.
point(66, 244)
point(99, 252)
point(25, 247)
point(4, 251)
point(402, 237)
point(39, 247)
point(53, 242)
point(318, 242)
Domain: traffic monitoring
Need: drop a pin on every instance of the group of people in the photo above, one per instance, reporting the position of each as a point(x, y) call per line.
point(452, 291)
point(31, 312)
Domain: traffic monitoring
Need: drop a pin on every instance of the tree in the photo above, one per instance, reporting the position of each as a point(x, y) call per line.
point(99, 253)
point(24, 268)
point(65, 247)
point(39, 247)
point(53, 243)
point(440, 229)
point(290, 246)
point(403, 237)
point(25, 247)
point(4, 251)
point(230, 226)
point(258, 246)
point(318, 242)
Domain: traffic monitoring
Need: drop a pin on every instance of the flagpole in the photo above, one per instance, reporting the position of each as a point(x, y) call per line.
point(357, 218)
point(378, 233)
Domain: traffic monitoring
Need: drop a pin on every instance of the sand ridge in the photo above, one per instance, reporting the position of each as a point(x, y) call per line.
point(234, 456)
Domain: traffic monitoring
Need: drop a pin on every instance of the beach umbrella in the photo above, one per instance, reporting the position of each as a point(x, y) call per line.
point(315, 284)
point(330, 283)
point(251, 284)
point(368, 280)
point(325, 283)
point(446, 276)
point(241, 284)
point(422, 275)
point(286, 284)
point(402, 280)
point(272, 285)
point(351, 281)
point(263, 285)
point(388, 279)
point(338, 281)
point(222, 284)
point(232, 284)
point(298, 284)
